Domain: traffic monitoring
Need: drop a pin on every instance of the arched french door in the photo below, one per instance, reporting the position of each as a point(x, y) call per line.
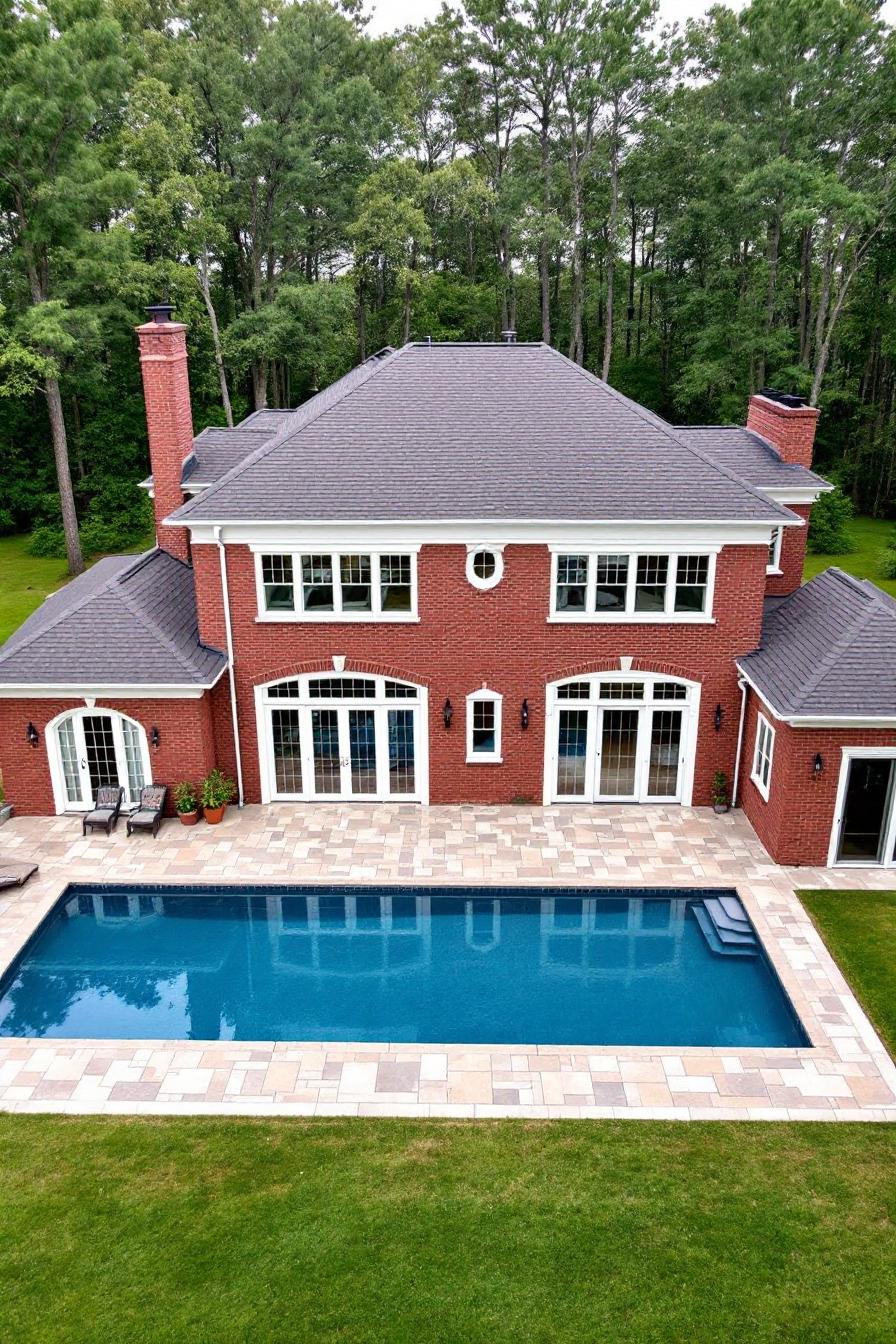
point(330, 737)
point(621, 737)
point(92, 747)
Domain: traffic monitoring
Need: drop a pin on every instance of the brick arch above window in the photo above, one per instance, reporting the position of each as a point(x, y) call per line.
point(324, 666)
point(602, 666)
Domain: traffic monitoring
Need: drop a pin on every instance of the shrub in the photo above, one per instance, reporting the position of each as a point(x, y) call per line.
point(718, 789)
point(217, 789)
point(186, 797)
point(829, 525)
point(48, 542)
point(888, 559)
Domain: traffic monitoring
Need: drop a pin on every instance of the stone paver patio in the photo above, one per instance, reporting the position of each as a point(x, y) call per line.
point(845, 1075)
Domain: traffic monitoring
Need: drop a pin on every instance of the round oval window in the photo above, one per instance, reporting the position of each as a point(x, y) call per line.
point(484, 564)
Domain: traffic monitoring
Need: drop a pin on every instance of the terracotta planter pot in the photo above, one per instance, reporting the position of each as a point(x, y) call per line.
point(214, 814)
point(188, 818)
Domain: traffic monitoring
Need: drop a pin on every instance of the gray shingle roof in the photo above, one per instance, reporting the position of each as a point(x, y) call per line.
point(477, 431)
point(829, 649)
point(129, 620)
point(750, 456)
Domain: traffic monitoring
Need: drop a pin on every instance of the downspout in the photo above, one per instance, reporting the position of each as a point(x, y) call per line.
point(225, 593)
point(740, 739)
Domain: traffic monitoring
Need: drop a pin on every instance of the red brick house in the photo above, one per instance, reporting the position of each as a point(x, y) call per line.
point(469, 573)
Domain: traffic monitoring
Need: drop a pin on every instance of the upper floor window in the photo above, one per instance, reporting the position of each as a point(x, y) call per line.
point(485, 566)
point(325, 585)
point(773, 563)
point(623, 586)
point(763, 754)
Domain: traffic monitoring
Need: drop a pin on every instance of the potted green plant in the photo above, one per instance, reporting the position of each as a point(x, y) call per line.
point(217, 792)
point(719, 792)
point(186, 803)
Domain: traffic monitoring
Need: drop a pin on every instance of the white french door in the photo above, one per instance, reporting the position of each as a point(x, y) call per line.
point(620, 740)
point(355, 738)
point(93, 748)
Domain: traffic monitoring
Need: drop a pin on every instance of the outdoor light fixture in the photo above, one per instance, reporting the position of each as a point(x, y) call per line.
point(524, 715)
point(718, 717)
point(155, 738)
point(817, 764)
point(447, 714)
point(32, 735)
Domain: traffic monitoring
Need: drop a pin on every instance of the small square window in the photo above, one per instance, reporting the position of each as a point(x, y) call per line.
point(276, 574)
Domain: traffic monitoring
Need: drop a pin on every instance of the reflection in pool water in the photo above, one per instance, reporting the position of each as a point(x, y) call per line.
point(495, 966)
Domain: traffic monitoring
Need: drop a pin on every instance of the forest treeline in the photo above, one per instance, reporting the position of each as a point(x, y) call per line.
point(692, 213)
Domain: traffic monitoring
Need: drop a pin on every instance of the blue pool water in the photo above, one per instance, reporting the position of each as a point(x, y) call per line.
point(388, 964)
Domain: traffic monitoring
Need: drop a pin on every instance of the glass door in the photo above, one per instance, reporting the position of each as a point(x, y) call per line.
point(617, 759)
point(95, 750)
point(867, 806)
point(664, 760)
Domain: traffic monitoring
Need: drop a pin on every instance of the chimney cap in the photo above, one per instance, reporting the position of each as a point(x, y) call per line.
point(508, 336)
point(792, 400)
point(160, 312)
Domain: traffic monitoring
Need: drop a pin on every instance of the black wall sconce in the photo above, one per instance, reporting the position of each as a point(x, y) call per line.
point(155, 738)
point(817, 764)
point(447, 714)
point(32, 735)
point(524, 715)
point(719, 715)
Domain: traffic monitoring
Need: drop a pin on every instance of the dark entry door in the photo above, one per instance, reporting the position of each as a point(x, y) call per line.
point(866, 810)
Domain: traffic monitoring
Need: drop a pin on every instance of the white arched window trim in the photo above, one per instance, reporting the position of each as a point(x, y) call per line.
point(54, 742)
point(484, 722)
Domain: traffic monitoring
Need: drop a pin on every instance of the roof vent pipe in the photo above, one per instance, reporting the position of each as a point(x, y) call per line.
point(509, 336)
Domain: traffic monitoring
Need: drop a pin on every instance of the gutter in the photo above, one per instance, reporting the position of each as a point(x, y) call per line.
point(742, 683)
point(225, 594)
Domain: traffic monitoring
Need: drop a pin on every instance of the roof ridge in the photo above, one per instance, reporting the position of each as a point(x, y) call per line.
point(82, 602)
point(840, 645)
point(651, 416)
point(154, 628)
point(375, 366)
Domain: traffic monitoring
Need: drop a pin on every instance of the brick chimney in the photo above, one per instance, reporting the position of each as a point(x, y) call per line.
point(786, 421)
point(169, 419)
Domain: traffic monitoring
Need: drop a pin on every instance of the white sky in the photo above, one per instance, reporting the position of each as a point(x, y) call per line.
point(390, 14)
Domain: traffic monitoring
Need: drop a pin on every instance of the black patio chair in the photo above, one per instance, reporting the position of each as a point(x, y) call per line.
point(148, 816)
point(106, 809)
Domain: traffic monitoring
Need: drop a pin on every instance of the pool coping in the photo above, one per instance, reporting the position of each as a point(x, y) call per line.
point(845, 1074)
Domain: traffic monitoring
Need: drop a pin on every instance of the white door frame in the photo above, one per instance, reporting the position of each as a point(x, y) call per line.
point(305, 705)
point(848, 755)
point(690, 710)
point(54, 755)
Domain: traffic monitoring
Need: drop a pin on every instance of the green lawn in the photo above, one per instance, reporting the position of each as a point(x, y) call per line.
point(176, 1230)
point(26, 579)
point(870, 536)
point(859, 928)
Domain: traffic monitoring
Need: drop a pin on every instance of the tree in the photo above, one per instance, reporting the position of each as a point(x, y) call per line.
point(63, 78)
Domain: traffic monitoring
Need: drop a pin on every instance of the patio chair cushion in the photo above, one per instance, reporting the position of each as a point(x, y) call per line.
point(101, 815)
point(15, 874)
point(143, 818)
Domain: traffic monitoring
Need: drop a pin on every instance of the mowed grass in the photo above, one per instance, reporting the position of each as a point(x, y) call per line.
point(870, 536)
point(186, 1229)
point(859, 928)
point(25, 580)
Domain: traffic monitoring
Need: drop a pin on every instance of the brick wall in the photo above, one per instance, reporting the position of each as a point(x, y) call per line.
point(186, 749)
point(795, 824)
point(793, 555)
point(169, 421)
point(466, 637)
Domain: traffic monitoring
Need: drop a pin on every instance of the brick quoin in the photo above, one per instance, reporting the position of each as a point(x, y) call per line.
point(187, 747)
point(501, 637)
point(795, 824)
point(790, 428)
point(169, 421)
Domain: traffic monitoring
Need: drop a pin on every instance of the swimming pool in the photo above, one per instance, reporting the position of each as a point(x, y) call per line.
point(495, 965)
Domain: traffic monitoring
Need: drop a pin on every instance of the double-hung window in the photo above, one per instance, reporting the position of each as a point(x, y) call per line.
point(346, 585)
point(484, 727)
point(644, 586)
point(773, 563)
point(763, 754)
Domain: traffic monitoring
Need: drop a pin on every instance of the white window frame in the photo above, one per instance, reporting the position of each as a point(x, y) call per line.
point(777, 539)
point(376, 613)
point(472, 578)
point(847, 756)
point(54, 755)
point(763, 753)
point(484, 757)
point(668, 616)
